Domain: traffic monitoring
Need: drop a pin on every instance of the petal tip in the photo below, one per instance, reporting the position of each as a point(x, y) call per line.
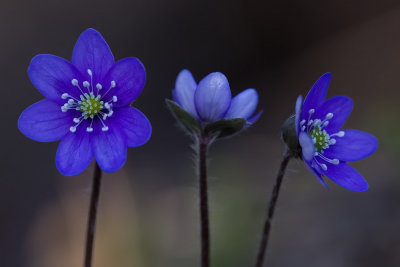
point(90, 31)
point(254, 118)
point(217, 76)
point(145, 140)
point(184, 72)
point(327, 75)
point(68, 171)
point(111, 168)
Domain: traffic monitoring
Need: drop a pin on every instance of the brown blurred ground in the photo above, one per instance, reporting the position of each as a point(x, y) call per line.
point(148, 212)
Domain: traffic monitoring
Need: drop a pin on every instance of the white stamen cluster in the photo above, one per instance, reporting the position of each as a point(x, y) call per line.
point(89, 103)
point(321, 139)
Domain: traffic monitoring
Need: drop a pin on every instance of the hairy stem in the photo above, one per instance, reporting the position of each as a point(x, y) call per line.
point(204, 219)
point(271, 208)
point(91, 225)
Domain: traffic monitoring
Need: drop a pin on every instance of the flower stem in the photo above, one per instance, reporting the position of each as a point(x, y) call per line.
point(204, 219)
point(94, 200)
point(272, 203)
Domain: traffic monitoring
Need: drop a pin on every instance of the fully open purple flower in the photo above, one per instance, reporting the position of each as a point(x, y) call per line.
point(211, 99)
point(87, 106)
point(326, 148)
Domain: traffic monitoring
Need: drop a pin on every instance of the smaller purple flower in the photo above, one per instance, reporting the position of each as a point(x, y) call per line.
point(211, 100)
point(325, 147)
point(87, 106)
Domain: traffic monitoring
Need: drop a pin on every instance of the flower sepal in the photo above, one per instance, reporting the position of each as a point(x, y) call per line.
point(185, 120)
point(225, 127)
point(290, 138)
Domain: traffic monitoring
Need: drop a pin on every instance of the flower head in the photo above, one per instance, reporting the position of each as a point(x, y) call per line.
point(325, 147)
point(211, 99)
point(87, 106)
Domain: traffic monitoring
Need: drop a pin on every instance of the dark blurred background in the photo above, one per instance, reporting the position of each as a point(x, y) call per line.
point(148, 213)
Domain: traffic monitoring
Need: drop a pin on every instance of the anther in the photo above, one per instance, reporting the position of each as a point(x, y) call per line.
point(64, 96)
point(105, 128)
point(329, 116)
point(332, 141)
point(114, 99)
point(89, 71)
point(76, 120)
point(113, 84)
point(340, 134)
point(335, 161)
point(324, 167)
point(311, 111)
point(317, 122)
point(98, 86)
point(86, 84)
point(331, 161)
point(302, 122)
point(74, 82)
point(72, 129)
point(89, 129)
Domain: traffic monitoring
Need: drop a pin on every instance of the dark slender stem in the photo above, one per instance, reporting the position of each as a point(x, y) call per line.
point(91, 226)
point(204, 220)
point(271, 209)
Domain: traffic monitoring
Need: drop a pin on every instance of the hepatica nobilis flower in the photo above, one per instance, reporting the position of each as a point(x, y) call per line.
point(325, 147)
point(87, 106)
point(210, 101)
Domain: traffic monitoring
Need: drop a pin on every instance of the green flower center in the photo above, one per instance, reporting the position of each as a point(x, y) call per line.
point(320, 138)
point(91, 106)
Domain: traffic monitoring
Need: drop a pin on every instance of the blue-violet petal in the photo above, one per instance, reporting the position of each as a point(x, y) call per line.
point(299, 104)
point(129, 77)
point(44, 121)
point(134, 124)
point(92, 52)
point(354, 145)
point(254, 118)
point(52, 76)
point(315, 171)
point(212, 97)
point(307, 146)
point(74, 153)
point(185, 87)
point(346, 176)
point(317, 94)
point(109, 149)
point(340, 107)
point(243, 105)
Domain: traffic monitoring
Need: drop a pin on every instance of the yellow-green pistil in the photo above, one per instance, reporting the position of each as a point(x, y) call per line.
point(91, 106)
point(320, 138)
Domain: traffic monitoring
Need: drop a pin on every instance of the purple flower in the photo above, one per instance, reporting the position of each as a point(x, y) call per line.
point(87, 106)
point(326, 148)
point(211, 99)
